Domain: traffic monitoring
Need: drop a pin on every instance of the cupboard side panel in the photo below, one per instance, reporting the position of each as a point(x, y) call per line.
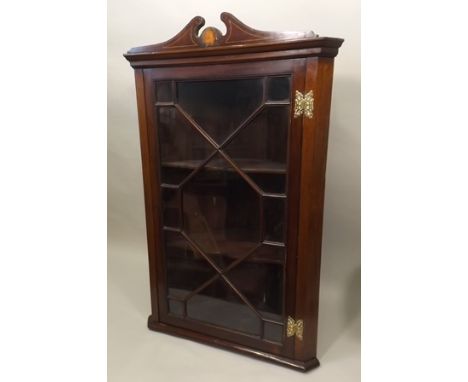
point(153, 144)
point(148, 184)
point(313, 164)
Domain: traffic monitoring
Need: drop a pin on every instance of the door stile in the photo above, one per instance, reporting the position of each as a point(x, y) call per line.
point(294, 160)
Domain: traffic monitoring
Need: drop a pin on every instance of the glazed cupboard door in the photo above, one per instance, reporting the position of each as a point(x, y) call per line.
point(224, 143)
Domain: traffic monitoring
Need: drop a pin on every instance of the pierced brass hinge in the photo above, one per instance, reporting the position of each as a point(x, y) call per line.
point(295, 328)
point(304, 104)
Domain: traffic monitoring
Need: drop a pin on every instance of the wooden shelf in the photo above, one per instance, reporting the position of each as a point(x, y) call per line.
point(247, 165)
point(230, 249)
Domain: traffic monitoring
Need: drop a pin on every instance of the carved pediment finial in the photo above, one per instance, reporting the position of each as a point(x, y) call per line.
point(237, 33)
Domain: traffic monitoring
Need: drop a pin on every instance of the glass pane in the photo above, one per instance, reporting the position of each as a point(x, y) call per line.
point(270, 182)
point(279, 89)
point(164, 91)
point(186, 269)
point(273, 213)
point(260, 148)
point(219, 269)
point(221, 212)
point(219, 107)
point(170, 207)
point(181, 148)
point(221, 306)
point(260, 279)
point(176, 307)
point(273, 332)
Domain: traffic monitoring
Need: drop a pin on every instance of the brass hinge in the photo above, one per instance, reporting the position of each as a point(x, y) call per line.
point(304, 104)
point(295, 328)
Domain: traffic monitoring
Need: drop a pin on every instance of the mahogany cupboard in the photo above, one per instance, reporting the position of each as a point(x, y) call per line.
point(233, 132)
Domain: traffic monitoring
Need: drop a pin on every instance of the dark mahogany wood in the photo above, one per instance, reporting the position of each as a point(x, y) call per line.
point(150, 189)
point(213, 341)
point(188, 48)
point(237, 33)
point(319, 74)
point(297, 67)
point(242, 53)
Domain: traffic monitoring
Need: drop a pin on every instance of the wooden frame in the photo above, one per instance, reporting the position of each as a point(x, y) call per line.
point(242, 52)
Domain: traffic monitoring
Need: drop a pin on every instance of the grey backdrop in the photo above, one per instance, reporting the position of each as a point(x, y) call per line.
point(134, 353)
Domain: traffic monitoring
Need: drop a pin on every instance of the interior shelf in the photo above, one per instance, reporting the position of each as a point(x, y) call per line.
point(247, 165)
point(230, 250)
